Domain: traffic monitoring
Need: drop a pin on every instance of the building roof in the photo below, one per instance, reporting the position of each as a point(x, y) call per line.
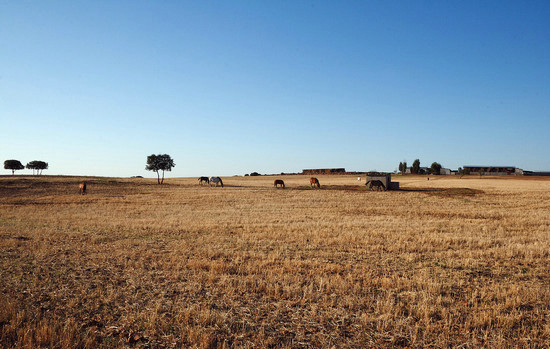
point(489, 166)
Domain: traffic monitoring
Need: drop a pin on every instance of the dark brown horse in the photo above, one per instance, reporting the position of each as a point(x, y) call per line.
point(314, 182)
point(375, 184)
point(204, 180)
point(82, 188)
point(279, 182)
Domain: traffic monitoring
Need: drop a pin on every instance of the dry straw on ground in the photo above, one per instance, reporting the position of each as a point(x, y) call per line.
point(442, 263)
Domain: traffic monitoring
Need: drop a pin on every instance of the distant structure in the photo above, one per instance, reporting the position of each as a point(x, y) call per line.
point(385, 178)
point(324, 171)
point(421, 170)
point(536, 173)
point(494, 170)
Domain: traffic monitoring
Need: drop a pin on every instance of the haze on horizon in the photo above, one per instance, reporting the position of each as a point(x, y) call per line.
point(229, 88)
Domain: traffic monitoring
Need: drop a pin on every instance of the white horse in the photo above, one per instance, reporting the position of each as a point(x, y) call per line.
point(216, 180)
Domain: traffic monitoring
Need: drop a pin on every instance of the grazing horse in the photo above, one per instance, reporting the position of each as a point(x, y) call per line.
point(204, 180)
point(314, 182)
point(279, 182)
point(375, 184)
point(82, 188)
point(216, 180)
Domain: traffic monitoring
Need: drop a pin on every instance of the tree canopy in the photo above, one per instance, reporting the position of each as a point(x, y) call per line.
point(436, 168)
point(38, 166)
point(13, 165)
point(158, 163)
point(403, 167)
point(415, 167)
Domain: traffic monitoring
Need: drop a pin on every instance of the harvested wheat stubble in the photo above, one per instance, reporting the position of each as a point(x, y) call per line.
point(446, 263)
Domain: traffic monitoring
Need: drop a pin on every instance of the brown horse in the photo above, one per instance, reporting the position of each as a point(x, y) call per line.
point(314, 182)
point(204, 180)
point(376, 184)
point(82, 188)
point(279, 182)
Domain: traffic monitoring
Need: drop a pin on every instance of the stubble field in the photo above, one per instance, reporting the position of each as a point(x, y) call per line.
point(442, 263)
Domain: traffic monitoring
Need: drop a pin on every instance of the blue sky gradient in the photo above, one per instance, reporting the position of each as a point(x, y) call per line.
point(225, 88)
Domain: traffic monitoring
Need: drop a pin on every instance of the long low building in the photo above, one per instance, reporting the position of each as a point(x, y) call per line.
point(493, 170)
point(312, 171)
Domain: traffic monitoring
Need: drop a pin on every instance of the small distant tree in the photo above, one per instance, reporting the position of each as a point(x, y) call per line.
point(435, 168)
point(416, 166)
point(463, 171)
point(254, 174)
point(404, 167)
point(37, 165)
point(158, 163)
point(13, 165)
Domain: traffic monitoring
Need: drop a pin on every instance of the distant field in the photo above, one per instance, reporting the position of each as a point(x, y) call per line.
point(449, 262)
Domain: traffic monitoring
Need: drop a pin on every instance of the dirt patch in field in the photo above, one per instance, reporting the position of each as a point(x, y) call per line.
point(332, 187)
point(446, 192)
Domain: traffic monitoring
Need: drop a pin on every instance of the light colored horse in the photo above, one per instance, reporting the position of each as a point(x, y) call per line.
point(279, 182)
point(314, 182)
point(216, 181)
point(82, 188)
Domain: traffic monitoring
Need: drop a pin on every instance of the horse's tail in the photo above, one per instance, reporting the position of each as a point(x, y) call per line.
point(221, 182)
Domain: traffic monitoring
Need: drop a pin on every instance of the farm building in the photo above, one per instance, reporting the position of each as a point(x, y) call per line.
point(385, 178)
point(324, 171)
point(493, 170)
point(536, 173)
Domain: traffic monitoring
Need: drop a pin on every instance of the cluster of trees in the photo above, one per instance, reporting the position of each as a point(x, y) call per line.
point(463, 172)
point(403, 167)
point(156, 163)
point(16, 165)
point(415, 168)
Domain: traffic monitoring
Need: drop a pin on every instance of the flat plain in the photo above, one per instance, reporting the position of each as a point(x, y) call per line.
point(449, 262)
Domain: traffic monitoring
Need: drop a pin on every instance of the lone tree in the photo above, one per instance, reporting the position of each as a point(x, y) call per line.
point(38, 166)
point(436, 168)
point(13, 165)
point(159, 163)
point(416, 166)
point(403, 167)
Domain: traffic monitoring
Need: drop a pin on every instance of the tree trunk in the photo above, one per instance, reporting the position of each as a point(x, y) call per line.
point(158, 177)
point(162, 177)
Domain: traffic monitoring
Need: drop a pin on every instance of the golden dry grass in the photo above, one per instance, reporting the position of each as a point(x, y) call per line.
point(448, 262)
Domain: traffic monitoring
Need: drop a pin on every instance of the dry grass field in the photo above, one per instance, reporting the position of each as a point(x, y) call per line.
point(448, 262)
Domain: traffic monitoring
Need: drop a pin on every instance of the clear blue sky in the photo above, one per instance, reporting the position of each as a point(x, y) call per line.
point(231, 87)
